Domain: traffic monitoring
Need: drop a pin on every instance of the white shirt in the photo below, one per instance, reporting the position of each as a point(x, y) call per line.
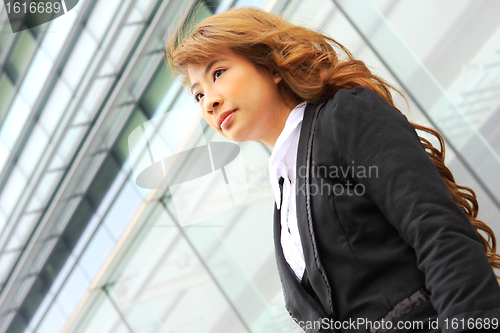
point(282, 164)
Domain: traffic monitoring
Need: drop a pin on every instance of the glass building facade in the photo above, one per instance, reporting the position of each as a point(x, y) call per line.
point(83, 248)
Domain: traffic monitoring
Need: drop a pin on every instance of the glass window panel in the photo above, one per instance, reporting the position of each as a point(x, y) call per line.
point(13, 243)
point(123, 210)
point(6, 261)
point(97, 252)
point(176, 8)
point(101, 17)
point(73, 290)
point(35, 204)
point(4, 154)
point(18, 324)
point(14, 122)
point(86, 235)
point(41, 253)
point(216, 245)
point(41, 311)
point(6, 93)
point(142, 69)
point(57, 33)
point(69, 141)
point(125, 97)
point(426, 83)
point(163, 284)
point(64, 273)
point(157, 90)
point(53, 321)
point(150, 252)
point(55, 262)
point(3, 221)
point(170, 288)
point(33, 150)
point(21, 54)
point(81, 117)
point(127, 167)
point(172, 94)
point(36, 76)
point(123, 43)
point(121, 148)
point(106, 69)
point(45, 187)
point(5, 33)
point(78, 6)
point(143, 5)
point(476, 91)
point(111, 193)
point(56, 163)
point(21, 285)
point(114, 124)
point(79, 221)
point(55, 106)
point(224, 5)
point(254, 3)
point(162, 270)
point(99, 87)
point(423, 26)
point(92, 161)
point(159, 233)
point(12, 190)
point(35, 296)
point(135, 17)
point(143, 192)
point(25, 226)
point(103, 318)
point(39, 20)
point(165, 135)
point(102, 181)
point(79, 60)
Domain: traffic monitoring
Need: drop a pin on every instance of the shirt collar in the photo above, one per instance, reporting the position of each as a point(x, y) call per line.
point(294, 119)
point(277, 167)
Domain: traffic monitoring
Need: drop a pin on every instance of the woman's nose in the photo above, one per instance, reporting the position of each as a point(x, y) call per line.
point(212, 102)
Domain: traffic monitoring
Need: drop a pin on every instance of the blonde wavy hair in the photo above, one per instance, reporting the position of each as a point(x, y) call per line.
point(312, 71)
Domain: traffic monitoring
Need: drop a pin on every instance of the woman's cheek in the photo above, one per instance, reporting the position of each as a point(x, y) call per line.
point(209, 120)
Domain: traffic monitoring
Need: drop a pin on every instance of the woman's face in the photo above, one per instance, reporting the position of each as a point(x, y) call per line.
point(238, 100)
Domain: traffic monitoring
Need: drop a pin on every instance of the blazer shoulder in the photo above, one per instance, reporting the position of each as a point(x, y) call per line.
point(361, 103)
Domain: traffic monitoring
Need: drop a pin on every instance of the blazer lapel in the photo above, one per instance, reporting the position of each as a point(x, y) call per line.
point(315, 270)
point(301, 306)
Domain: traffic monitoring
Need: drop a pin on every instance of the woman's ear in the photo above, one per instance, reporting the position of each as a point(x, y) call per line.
point(276, 77)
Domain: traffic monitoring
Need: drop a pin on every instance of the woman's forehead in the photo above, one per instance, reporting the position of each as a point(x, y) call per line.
point(206, 62)
point(194, 70)
point(197, 71)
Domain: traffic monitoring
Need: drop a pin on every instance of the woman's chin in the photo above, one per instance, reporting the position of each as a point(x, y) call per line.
point(233, 135)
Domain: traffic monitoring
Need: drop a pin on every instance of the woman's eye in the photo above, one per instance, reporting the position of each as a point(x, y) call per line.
point(218, 73)
point(198, 97)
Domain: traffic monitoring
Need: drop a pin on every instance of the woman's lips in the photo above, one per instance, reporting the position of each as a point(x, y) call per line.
point(226, 121)
point(224, 118)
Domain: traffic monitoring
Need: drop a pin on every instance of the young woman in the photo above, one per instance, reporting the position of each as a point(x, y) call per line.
point(371, 231)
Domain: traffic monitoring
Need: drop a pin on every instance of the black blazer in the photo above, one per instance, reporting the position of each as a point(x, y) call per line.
point(379, 229)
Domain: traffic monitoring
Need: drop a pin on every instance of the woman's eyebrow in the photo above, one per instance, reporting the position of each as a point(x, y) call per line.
point(207, 69)
point(209, 66)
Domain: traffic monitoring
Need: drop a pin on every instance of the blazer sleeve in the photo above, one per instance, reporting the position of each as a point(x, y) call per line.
point(410, 192)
